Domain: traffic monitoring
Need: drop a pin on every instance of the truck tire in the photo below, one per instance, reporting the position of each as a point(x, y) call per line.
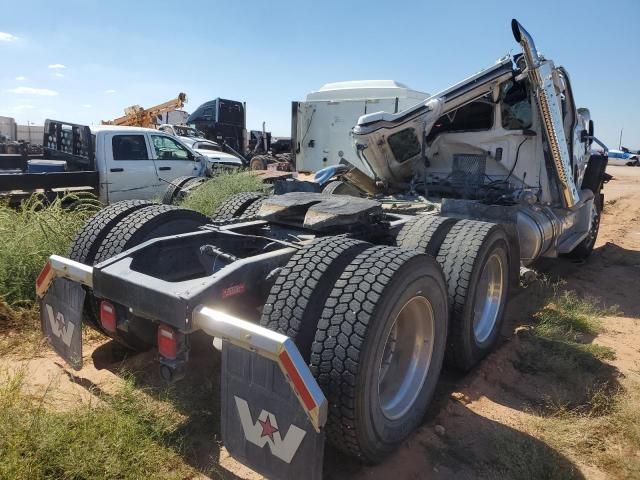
point(584, 249)
point(149, 222)
point(252, 210)
point(87, 241)
point(475, 258)
point(259, 162)
point(338, 187)
point(235, 206)
point(173, 188)
point(425, 233)
point(139, 226)
point(378, 378)
point(296, 298)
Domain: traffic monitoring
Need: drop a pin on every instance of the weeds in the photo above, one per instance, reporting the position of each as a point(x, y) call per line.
point(125, 435)
point(611, 441)
point(30, 234)
point(209, 196)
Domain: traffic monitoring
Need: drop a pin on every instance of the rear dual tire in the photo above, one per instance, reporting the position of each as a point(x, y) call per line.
point(347, 305)
point(475, 258)
point(117, 228)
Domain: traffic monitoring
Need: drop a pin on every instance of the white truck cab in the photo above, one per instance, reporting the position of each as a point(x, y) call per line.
point(321, 125)
point(138, 163)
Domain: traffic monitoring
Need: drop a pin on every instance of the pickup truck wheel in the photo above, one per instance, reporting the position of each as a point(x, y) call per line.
point(171, 193)
point(295, 301)
point(338, 187)
point(425, 233)
point(259, 162)
point(87, 241)
point(584, 249)
point(235, 206)
point(475, 258)
point(139, 226)
point(379, 348)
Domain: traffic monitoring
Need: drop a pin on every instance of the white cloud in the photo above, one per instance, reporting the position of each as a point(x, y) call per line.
point(57, 66)
point(7, 37)
point(20, 78)
point(59, 75)
point(43, 92)
point(110, 91)
point(22, 108)
point(87, 105)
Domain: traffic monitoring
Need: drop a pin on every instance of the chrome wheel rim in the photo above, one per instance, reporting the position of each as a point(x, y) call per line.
point(406, 358)
point(488, 298)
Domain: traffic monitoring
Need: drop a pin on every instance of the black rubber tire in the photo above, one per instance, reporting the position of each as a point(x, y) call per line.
point(87, 241)
point(425, 233)
point(169, 196)
point(338, 187)
point(253, 209)
point(583, 250)
point(259, 162)
point(350, 341)
point(236, 205)
point(296, 298)
point(147, 223)
point(463, 254)
point(137, 227)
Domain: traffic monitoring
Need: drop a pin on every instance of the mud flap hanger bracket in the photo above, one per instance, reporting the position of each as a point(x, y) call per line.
point(273, 346)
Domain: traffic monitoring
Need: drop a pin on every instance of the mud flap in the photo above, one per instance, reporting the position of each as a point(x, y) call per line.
point(263, 424)
point(61, 319)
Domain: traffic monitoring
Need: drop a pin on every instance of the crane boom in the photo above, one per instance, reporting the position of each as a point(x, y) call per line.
point(136, 116)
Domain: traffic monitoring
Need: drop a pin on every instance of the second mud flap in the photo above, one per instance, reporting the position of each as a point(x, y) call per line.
point(263, 424)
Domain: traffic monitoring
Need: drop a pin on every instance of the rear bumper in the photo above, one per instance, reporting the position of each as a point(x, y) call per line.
point(246, 335)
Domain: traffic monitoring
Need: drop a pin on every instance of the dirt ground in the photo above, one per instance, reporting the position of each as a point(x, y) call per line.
point(474, 414)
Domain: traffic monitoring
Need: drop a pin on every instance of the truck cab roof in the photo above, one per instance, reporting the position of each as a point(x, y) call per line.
point(364, 89)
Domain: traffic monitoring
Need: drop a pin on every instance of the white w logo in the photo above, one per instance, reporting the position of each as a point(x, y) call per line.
point(59, 327)
point(265, 431)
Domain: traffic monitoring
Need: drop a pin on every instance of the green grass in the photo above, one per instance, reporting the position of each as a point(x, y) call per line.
point(125, 435)
point(611, 442)
point(567, 316)
point(28, 235)
point(208, 197)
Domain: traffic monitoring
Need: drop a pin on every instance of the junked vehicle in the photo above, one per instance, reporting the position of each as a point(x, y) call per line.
point(113, 162)
point(622, 157)
point(334, 313)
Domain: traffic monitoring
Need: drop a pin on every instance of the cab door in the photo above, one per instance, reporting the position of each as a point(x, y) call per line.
point(172, 160)
point(130, 169)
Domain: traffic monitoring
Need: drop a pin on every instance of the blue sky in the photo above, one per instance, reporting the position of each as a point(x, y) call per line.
point(86, 61)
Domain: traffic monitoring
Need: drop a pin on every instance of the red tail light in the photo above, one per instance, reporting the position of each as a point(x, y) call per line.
point(108, 316)
point(167, 342)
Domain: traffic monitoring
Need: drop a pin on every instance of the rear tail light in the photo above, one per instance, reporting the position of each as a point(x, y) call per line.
point(108, 316)
point(167, 342)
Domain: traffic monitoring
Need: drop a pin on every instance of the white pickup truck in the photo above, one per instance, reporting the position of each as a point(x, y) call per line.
point(115, 163)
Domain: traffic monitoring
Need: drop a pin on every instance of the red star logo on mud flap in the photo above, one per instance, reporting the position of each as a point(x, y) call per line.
point(267, 428)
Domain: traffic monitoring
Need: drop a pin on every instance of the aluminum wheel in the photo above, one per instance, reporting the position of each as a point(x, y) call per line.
point(488, 298)
point(406, 358)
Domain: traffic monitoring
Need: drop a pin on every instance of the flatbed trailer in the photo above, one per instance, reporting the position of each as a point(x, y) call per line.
point(62, 141)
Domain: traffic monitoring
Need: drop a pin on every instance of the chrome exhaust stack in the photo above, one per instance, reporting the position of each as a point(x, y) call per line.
point(541, 74)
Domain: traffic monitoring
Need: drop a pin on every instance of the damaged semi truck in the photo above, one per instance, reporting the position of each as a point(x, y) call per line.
point(334, 314)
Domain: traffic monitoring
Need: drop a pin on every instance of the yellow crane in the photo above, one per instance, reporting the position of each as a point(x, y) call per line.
point(136, 116)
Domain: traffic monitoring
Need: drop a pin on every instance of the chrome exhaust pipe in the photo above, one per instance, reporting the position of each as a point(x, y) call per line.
point(541, 73)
